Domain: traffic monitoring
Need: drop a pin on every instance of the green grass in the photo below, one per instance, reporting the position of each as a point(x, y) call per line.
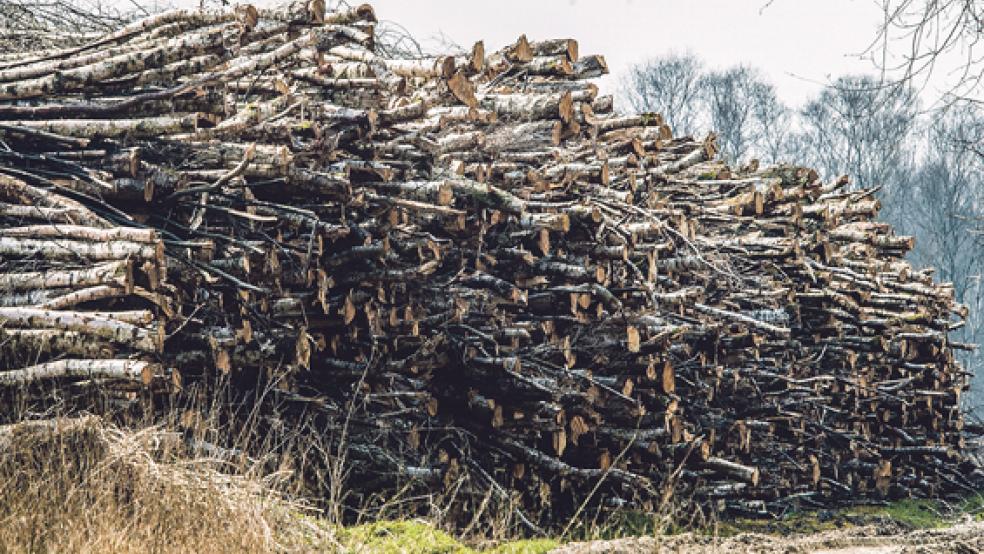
point(400, 537)
point(420, 537)
point(974, 506)
point(910, 513)
point(914, 514)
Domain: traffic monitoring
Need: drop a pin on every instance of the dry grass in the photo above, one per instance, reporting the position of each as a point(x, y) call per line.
point(83, 486)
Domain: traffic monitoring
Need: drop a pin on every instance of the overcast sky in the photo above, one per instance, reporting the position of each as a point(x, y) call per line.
point(800, 45)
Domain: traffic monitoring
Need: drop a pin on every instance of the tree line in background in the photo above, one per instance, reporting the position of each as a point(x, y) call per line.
point(928, 165)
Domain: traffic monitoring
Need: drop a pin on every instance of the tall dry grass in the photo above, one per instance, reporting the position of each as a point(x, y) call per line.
point(81, 485)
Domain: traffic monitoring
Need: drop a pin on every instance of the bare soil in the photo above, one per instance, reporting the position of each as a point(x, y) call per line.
point(887, 538)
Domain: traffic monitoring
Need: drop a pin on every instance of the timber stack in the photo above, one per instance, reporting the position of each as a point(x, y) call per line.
point(467, 268)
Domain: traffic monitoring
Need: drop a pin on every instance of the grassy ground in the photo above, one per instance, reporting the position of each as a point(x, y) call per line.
point(417, 537)
point(88, 487)
point(398, 537)
point(909, 513)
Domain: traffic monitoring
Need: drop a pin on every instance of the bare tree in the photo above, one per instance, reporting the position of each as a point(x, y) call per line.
point(865, 130)
point(745, 112)
point(943, 40)
point(964, 129)
point(668, 86)
point(773, 121)
point(929, 37)
point(726, 95)
point(738, 104)
point(944, 210)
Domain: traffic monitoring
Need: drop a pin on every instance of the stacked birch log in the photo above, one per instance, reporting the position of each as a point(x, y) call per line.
point(473, 274)
point(76, 292)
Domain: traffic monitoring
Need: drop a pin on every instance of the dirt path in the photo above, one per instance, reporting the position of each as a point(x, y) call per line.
point(963, 538)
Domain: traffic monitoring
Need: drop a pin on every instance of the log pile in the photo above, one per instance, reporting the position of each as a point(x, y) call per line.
point(79, 297)
point(473, 272)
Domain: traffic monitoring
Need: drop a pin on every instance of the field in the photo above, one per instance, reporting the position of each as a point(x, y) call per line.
point(269, 281)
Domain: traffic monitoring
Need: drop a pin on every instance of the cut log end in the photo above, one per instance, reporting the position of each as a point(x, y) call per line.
point(520, 50)
point(632, 338)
